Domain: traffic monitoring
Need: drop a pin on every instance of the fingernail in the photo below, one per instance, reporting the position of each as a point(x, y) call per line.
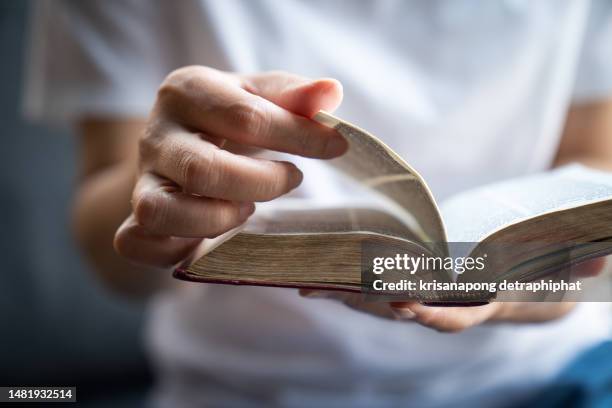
point(246, 209)
point(297, 177)
point(403, 313)
point(336, 146)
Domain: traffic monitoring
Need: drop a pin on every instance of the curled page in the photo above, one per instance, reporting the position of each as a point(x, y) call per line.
point(372, 163)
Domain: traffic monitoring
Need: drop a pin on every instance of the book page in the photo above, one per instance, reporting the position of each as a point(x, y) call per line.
point(310, 220)
point(373, 164)
point(473, 215)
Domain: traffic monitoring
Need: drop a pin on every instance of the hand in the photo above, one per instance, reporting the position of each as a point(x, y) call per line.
point(455, 319)
point(190, 185)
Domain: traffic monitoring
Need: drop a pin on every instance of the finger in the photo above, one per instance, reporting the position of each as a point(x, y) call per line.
point(356, 301)
point(135, 243)
point(445, 319)
point(589, 269)
point(320, 294)
point(297, 94)
point(164, 210)
point(202, 168)
point(218, 106)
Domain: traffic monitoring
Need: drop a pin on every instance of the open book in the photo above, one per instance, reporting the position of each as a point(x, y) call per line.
point(539, 224)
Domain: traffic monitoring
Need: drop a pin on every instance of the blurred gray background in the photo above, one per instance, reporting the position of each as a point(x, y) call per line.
point(58, 327)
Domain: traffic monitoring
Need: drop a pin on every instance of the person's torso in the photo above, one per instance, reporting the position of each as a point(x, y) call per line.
point(467, 93)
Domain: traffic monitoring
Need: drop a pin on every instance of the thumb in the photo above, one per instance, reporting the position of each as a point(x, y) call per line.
point(297, 94)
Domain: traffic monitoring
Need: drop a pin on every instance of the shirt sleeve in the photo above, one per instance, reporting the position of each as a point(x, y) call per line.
point(594, 75)
point(96, 57)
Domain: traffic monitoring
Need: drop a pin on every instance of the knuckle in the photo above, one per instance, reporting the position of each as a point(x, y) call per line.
point(149, 210)
point(216, 172)
point(198, 172)
point(250, 117)
point(149, 141)
point(178, 76)
point(121, 243)
point(169, 92)
point(190, 172)
point(308, 145)
point(180, 82)
point(126, 246)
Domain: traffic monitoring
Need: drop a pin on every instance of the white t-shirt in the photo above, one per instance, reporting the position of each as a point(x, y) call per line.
point(468, 92)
